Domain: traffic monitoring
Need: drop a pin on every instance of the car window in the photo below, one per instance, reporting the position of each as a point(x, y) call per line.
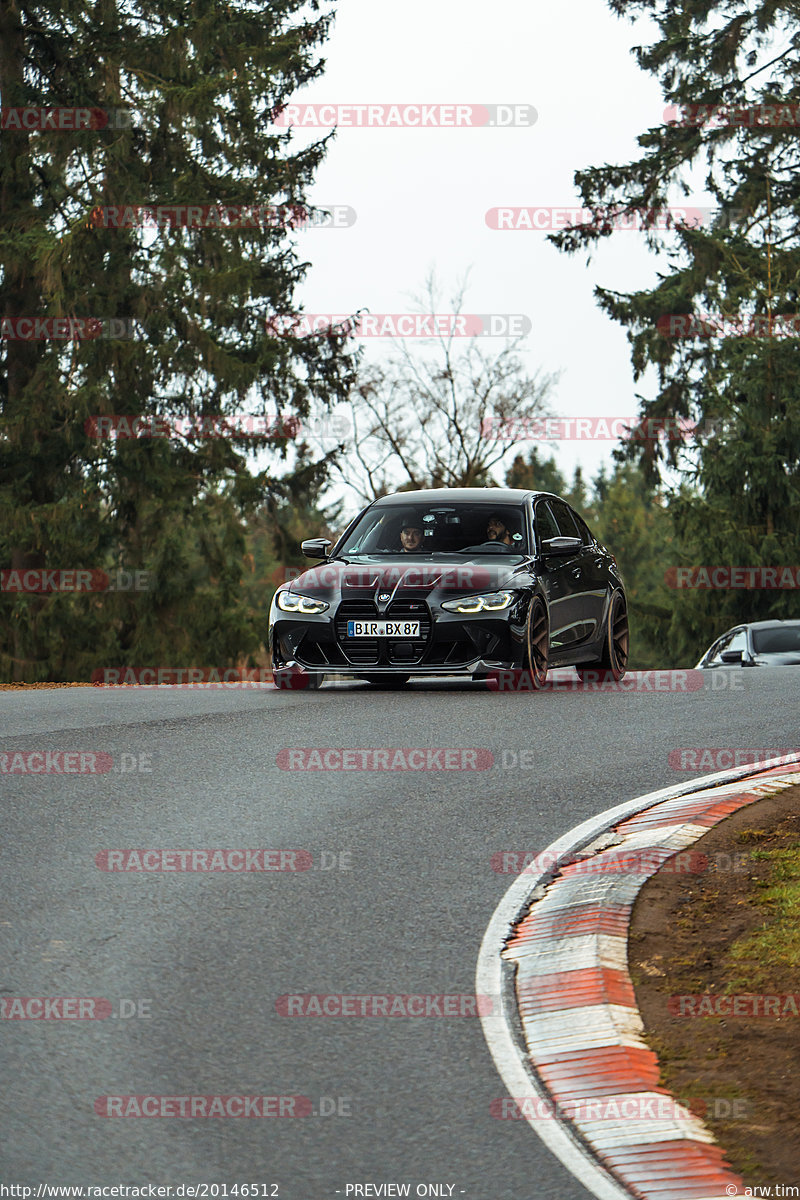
point(713, 656)
point(586, 534)
point(564, 519)
point(713, 650)
point(446, 528)
point(776, 641)
point(543, 520)
point(736, 640)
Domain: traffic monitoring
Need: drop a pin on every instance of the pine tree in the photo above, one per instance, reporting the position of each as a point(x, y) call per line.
point(537, 473)
point(730, 71)
point(202, 83)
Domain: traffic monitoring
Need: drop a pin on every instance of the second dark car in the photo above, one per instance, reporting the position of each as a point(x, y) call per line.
point(450, 581)
point(757, 644)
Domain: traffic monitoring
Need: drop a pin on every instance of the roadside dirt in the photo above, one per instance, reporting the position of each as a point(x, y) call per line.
point(21, 687)
point(740, 1073)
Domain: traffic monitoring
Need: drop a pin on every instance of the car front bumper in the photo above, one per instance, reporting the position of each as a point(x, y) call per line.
point(449, 644)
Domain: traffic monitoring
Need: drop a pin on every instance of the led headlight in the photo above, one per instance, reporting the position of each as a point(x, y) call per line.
point(489, 602)
point(294, 603)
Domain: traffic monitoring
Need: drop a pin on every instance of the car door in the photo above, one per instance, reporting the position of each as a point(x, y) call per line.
point(585, 607)
point(561, 577)
point(595, 580)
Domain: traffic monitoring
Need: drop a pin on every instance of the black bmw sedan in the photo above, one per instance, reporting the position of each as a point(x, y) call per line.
point(453, 581)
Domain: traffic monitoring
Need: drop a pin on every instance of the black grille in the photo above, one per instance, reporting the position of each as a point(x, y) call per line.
point(362, 652)
point(371, 652)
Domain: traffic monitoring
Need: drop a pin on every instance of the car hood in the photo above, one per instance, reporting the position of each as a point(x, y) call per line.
point(405, 576)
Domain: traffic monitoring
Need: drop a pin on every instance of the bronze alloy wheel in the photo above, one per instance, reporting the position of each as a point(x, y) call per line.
point(538, 638)
point(614, 661)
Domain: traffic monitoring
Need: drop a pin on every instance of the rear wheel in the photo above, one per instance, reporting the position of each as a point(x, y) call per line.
point(614, 660)
point(538, 642)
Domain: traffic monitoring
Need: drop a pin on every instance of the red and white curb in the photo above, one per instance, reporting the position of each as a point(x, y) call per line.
point(567, 1032)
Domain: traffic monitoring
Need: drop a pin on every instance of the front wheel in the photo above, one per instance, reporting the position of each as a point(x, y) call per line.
point(614, 659)
point(538, 642)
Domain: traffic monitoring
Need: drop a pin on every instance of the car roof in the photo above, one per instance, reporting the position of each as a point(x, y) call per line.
point(776, 623)
point(468, 495)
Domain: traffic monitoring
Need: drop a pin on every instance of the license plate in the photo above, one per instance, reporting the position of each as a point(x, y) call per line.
point(371, 629)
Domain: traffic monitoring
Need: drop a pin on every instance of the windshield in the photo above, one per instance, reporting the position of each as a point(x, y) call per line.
point(459, 529)
point(776, 641)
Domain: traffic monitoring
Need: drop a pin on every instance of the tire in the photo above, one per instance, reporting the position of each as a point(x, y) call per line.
point(537, 639)
point(387, 681)
point(614, 660)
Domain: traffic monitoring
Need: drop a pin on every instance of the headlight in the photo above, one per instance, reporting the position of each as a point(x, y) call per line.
point(490, 602)
point(292, 602)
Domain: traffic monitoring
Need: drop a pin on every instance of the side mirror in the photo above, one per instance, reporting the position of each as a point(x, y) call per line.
point(316, 547)
point(562, 545)
point(731, 656)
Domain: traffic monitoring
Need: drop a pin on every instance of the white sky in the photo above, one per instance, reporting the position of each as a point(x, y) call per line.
point(420, 195)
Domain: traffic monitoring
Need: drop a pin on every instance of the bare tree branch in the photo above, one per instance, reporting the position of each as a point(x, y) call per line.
point(432, 418)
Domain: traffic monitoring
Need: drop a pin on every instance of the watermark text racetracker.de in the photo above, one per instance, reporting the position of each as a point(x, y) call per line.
point(366, 758)
point(733, 116)
point(735, 1004)
point(423, 576)
point(546, 218)
point(593, 429)
point(75, 579)
point(729, 325)
point(230, 425)
point(599, 681)
point(256, 859)
point(59, 118)
point(723, 758)
point(400, 325)
point(187, 677)
point(642, 861)
point(203, 1107)
point(729, 578)
point(417, 1005)
point(619, 1108)
point(237, 1106)
point(405, 116)
point(66, 329)
point(49, 761)
point(72, 1008)
point(292, 217)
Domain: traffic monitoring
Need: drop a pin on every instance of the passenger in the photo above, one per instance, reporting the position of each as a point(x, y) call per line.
point(497, 530)
point(411, 535)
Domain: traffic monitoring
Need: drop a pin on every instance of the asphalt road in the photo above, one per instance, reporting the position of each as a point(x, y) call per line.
point(401, 908)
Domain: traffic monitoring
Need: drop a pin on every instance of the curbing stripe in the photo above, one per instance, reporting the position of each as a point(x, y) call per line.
point(679, 1157)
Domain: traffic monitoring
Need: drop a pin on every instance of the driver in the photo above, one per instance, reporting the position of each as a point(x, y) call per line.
point(411, 534)
point(497, 530)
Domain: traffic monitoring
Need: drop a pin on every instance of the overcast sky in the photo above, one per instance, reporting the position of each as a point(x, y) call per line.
point(421, 195)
